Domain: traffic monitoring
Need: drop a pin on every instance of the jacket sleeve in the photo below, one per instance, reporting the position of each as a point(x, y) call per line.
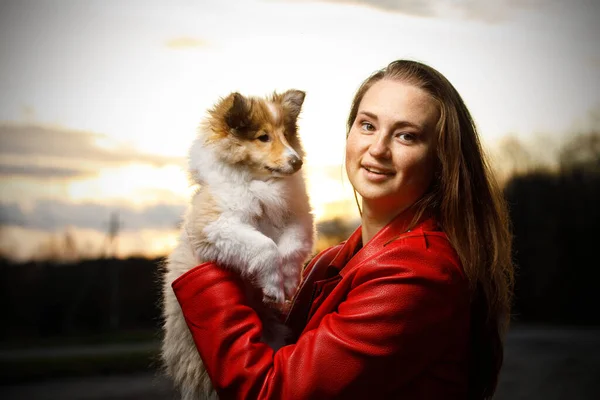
point(394, 319)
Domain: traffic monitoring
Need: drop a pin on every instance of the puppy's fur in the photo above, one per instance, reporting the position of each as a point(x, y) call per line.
point(251, 213)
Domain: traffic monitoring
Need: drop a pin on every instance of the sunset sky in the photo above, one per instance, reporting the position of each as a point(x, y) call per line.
point(100, 100)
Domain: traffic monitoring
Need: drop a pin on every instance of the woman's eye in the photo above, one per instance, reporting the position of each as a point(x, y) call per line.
point(264, 138)
point(367, 126)
point(406, 137)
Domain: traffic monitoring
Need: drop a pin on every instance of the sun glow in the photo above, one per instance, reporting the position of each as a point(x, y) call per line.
point(331, 197)
point(138, 185)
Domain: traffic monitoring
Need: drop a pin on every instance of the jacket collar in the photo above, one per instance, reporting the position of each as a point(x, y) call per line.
point(346, 257)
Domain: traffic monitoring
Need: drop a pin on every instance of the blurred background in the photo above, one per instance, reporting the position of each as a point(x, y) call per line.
point(100, 100)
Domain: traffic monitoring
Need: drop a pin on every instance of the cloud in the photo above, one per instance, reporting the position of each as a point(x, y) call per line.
point(42, 172)
point(185, 43)
point(11, 214)
point(423, 8)
point(30, 140)
point(53, 215)
point(412, 7)
point(469, 9)
point(494, 11)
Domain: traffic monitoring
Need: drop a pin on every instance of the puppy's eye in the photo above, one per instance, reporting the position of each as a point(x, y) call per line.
point(264, 138)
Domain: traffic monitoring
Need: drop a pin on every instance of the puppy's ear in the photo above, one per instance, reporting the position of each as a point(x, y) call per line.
point(292, 101)
point(237, 117)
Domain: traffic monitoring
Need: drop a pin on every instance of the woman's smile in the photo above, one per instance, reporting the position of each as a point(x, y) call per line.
point(377, 174)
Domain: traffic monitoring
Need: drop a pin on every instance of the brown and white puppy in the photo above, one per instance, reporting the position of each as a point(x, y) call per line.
point(251, 213)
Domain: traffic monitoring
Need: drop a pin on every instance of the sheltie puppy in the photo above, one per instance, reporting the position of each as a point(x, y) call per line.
point(251, 213)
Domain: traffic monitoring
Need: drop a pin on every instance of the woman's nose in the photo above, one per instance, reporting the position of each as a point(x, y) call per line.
point(380, 147)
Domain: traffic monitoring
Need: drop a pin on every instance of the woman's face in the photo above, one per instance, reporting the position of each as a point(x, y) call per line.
point(390, 150)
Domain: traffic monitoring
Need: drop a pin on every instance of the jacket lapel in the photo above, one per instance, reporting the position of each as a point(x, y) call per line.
point(338, 262)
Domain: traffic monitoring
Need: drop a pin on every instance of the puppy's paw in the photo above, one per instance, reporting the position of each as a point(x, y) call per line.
point(265, 262)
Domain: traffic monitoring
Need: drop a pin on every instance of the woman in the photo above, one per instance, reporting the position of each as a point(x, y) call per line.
point(415, 303)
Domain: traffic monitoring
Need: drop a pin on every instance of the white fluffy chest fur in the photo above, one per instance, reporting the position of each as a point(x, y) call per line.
point(262, 228)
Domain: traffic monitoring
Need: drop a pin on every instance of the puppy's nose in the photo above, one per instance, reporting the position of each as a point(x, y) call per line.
point(296, 163)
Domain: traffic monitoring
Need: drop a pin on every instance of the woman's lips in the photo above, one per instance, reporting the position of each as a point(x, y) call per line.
point(376, 174)
point(377, 170)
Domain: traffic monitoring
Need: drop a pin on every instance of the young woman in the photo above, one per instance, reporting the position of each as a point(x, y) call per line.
point(414, 305)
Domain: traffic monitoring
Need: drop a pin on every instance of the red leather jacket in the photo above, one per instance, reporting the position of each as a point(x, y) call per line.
point(391, 321)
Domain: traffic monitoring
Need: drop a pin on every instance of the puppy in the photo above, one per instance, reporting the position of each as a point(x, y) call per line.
point(251, 213)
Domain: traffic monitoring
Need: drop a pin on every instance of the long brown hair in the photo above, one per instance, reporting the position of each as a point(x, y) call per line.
point(471, 210)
